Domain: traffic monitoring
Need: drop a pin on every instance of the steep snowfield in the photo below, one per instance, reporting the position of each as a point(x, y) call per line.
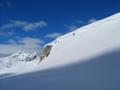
point(88, 60)
point(89, 41)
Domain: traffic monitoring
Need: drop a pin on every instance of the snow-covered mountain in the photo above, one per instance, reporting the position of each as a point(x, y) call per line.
point(19, 57)
point(84, 43)
point(85, 59)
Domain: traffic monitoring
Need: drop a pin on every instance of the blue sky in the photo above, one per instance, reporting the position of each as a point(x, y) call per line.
point(32, 23)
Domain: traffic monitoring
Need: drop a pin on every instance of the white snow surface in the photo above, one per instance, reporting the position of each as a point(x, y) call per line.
point(89, 41)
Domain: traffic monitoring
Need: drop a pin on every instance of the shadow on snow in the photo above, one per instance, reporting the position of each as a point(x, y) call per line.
point(99, 73)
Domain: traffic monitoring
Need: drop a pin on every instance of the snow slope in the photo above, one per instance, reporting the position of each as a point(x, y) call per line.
point(88, 60)
point(89, 41)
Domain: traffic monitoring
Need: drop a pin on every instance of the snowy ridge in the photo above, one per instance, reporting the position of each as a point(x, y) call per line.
point(89, 41)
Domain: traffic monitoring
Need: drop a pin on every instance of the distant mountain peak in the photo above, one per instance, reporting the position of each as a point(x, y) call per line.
point(19, 57)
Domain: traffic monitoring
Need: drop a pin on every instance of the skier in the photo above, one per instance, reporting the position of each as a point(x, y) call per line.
point(73, 34)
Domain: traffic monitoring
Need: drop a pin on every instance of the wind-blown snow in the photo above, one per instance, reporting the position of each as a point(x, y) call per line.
point(92, 49)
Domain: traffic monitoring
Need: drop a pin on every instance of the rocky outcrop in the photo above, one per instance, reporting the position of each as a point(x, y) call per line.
point(46, 51)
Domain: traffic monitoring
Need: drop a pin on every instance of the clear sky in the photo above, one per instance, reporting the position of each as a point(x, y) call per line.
point(32, 23)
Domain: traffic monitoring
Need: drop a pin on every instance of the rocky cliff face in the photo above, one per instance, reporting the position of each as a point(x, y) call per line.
point(46, 51)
